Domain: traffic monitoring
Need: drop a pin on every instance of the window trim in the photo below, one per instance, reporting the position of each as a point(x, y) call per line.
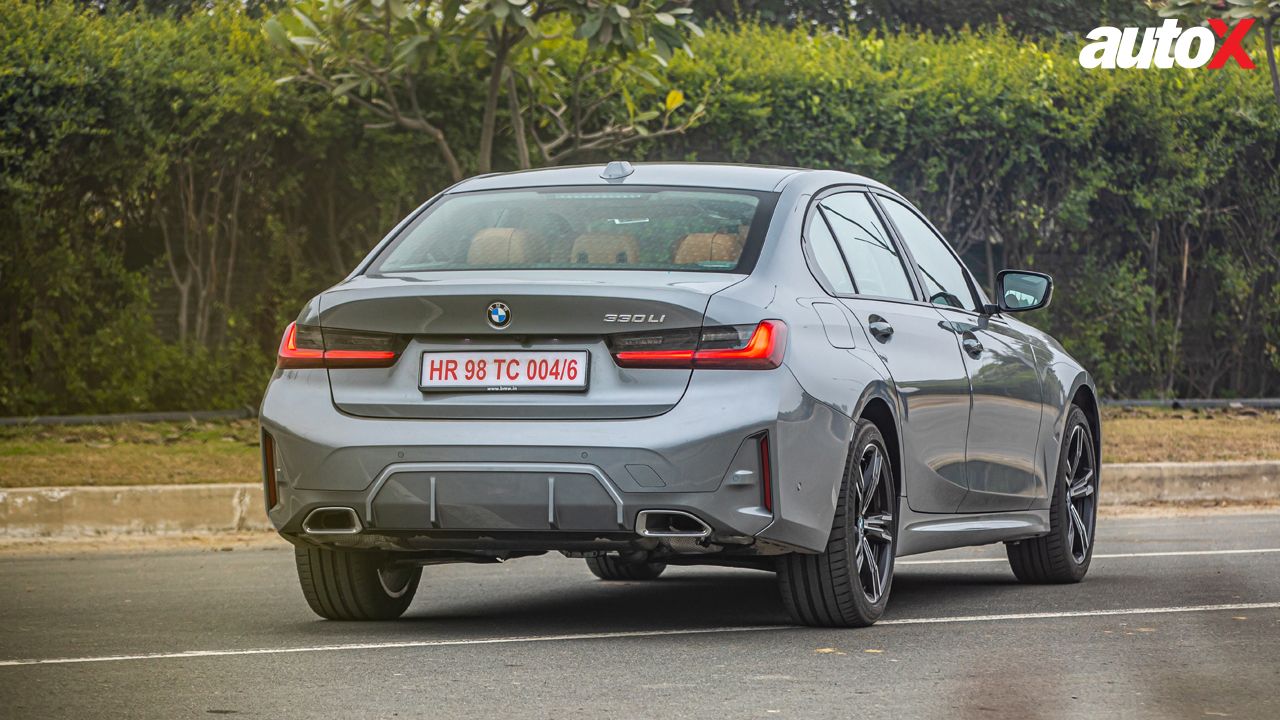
point(811, 258)
point(877, 212)
point(816, 270)
point(977, 296)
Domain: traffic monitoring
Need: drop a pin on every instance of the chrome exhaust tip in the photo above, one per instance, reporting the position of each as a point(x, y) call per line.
point(332, 521)
point(671, 524)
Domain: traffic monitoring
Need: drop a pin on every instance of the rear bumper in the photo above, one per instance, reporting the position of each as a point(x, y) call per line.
point(560, 484)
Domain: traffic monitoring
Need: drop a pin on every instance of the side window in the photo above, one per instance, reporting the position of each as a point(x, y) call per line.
point(944, 277)
point(827, 254)
point(874, 260)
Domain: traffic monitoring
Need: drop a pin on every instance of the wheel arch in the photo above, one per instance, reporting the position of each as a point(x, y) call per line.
point(1083, 394)
point(1086, 399)
point(878, 405)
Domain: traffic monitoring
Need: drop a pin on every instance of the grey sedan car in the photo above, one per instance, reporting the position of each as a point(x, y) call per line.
point(674, 364)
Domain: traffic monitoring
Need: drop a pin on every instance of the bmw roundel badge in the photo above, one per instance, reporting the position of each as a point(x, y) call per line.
point(499, 315)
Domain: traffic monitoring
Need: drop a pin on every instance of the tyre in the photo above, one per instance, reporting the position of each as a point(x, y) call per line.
point(613, 567)
point(1063, 555)
point(354, 585)
point(847, 584)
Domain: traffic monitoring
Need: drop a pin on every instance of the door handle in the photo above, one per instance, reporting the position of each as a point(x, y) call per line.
point(880, 328)
point(971, 345)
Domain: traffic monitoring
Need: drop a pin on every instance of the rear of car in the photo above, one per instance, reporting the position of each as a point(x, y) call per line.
point(524, 369)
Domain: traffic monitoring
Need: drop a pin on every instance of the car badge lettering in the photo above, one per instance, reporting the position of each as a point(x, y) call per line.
point(634, 318)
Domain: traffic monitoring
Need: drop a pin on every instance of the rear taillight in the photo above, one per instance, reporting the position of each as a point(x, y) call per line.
point(730, 347)
point(307, 346)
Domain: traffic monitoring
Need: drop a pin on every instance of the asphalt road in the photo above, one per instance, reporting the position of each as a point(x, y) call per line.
point(1179, 618)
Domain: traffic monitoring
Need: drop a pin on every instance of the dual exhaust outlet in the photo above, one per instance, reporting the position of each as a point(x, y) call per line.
point(649, 523)
point(671, 524)
point(332, 521)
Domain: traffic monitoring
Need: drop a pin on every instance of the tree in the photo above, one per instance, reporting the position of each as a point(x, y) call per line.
point(1265, 12)
point(383, 55)
point(826, 13)
point(1022, 17)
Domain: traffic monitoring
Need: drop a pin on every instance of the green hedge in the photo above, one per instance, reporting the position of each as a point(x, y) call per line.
point(119, 130)
point(1107, 180)
point(115, 128)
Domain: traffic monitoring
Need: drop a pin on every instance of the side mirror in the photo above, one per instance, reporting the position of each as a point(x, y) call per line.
point(1022, 290)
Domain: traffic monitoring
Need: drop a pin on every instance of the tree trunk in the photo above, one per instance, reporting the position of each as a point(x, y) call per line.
point(1154, 274)
point(1269, 42)
point(233, 242)
point(991, 268)
point(1176, 340)
point(337, 258)
point(180, 283)
point(489, 120)
point(517, 124)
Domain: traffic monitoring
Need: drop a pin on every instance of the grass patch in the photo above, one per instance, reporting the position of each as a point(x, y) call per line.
point(1193, 435)
point(227, 451)
point(130, 454)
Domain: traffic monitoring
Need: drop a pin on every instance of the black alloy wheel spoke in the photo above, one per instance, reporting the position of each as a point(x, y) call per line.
point(1081, 481)
point(873, 531)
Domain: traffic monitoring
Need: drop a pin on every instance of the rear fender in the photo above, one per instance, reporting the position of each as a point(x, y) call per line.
point(892, 431)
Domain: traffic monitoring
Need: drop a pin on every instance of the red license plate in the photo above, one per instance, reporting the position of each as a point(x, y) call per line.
point(498, 371)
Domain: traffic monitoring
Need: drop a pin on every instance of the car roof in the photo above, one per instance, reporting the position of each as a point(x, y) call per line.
point(706, 175)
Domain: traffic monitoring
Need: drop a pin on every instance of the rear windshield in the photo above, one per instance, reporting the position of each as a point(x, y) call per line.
point(636, 228)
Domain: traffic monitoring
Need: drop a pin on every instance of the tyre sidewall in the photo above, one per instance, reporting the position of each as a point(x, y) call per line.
point(1060, 514)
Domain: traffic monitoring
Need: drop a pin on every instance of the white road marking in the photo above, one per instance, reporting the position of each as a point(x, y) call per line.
point(1170, 553)
point(1081, 613)
point(625, 634)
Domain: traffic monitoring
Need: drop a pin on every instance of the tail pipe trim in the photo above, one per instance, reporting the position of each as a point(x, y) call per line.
point(671, 523)
point(332, 521)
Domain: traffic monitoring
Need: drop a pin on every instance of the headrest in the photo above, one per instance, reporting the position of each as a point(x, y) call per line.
point(696, 248)
point(499, 246)
point(604, 249)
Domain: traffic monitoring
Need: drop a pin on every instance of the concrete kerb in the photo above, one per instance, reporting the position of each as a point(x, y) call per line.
point(173, 509)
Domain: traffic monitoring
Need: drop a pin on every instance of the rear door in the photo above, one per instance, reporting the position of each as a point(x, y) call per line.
point(921, 355)
point(1004, 423)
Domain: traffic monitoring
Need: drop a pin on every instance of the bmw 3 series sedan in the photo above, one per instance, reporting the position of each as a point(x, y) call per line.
point(674, 364)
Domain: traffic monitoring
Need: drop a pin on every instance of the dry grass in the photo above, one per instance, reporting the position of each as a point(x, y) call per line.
point(134, 543)
point(130, 454)
point(217, 452)
point(1158, 435)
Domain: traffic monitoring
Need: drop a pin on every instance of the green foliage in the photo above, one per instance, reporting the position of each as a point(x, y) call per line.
point(1265, 12)
point(390, 57)
point(1045, 18)
point(113, 127)
point(1105, 180)
point(1034, 18)
point(1229, 10)
point(1152, 197)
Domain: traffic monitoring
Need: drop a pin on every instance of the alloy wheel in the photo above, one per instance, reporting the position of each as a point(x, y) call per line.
point(395, 581)
point(873, 526)
point(1081, 479)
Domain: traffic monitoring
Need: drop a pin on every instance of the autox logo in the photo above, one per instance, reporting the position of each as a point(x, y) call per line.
point(1166, 46)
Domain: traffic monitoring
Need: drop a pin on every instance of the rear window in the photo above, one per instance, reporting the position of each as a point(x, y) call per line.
point(635, 228)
